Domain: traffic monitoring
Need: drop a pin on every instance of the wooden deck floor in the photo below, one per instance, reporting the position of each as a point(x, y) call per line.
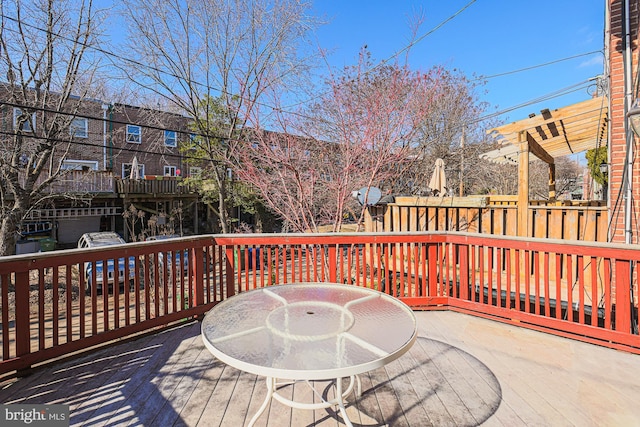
point(462, 371)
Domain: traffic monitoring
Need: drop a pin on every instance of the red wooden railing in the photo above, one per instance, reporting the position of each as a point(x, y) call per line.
point(579, 290)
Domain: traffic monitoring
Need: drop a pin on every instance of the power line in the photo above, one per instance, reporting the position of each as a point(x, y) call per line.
point(560, 92)
point(532, 67)
point(397, 53)
point(419, 39)
point(555, 94)
point(551, 95)
point(221, 91)
point(440, 25)
point(101, 146)
point(126, 59)
point(120, 122)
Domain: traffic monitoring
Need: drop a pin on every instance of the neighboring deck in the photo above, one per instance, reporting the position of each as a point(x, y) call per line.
point(462, 371)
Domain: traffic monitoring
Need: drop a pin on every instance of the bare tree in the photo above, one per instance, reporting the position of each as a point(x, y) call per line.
point(216, 60)
point(357, 134)
point(502, 178)
point(568, 178)
point(47, 60)
point(285, 173)
point(452, 130)
point(492, 178)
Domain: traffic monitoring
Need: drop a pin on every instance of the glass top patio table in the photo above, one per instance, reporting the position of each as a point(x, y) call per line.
point(309, 331)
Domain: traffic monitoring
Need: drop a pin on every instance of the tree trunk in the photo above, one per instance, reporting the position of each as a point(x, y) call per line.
point(9, 230)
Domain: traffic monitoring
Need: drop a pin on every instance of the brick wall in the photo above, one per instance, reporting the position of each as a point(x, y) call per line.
point(151, 151)
point(85, 148)
point(617, 141)
point(91, 147)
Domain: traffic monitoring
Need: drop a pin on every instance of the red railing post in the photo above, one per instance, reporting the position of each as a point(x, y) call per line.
point(622, 289)
point(433, 270)
point(229, 271)
point(197, 266)
point(332, 263)
point(464, 272)
point(23, 338)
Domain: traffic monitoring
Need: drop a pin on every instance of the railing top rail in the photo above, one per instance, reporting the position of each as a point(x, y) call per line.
point(569, 208)
point(609, 250)
point(612, 250)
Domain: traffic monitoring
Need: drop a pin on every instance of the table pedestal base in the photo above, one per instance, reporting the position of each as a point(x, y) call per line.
point(272, 393)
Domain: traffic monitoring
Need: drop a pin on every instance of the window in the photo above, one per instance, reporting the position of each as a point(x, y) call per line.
point(134, 134)
point(28, 125)
point(195, 171)
point(79, 127)
point(170, 138)
point(77, 165)
point(169, 171)
point(194, 141)
point(126, 171)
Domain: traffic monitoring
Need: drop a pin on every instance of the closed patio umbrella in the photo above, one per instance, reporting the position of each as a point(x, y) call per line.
point(438, 181)
point(135, 169)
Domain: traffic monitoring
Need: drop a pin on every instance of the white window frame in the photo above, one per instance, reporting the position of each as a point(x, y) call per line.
point(79, 127)
point(126, 166)
point(133, 136)
point(17, 112)
point(170, 135)
point(193, 142)
point(76, 165)
point(170, 170)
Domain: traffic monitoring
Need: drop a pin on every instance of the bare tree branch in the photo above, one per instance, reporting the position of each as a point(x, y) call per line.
point(45, 59)
point(215, 60)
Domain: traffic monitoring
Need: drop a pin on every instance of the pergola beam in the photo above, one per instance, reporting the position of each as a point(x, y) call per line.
point(538, 151)
point(523, 184)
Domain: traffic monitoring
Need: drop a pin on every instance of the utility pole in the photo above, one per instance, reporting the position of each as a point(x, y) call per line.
point(462, 164)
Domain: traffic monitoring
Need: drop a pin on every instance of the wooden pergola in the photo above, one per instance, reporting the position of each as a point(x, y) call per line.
point(552, 134)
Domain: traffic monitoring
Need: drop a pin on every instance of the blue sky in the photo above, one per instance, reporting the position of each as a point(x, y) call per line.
point(489, 37)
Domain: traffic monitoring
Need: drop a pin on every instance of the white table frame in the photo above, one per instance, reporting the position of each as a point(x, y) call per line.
point(292, 376)
point(339, 400)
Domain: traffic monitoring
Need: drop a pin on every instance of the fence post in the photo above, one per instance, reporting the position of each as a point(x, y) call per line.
point(433, 270)
point(333, 267)
point(623, 300)
point(463, 273)
point(197, 267)
point(23, 338)
point(229, 271)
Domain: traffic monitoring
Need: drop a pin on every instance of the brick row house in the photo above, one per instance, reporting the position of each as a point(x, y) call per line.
point(121, 158)
point(621, 50)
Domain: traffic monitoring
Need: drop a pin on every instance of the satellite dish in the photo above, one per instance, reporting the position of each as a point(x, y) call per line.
point(369, 198)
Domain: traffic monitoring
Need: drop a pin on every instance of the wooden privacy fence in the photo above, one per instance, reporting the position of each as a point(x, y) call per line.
point(491, 215)
point(586, 291)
